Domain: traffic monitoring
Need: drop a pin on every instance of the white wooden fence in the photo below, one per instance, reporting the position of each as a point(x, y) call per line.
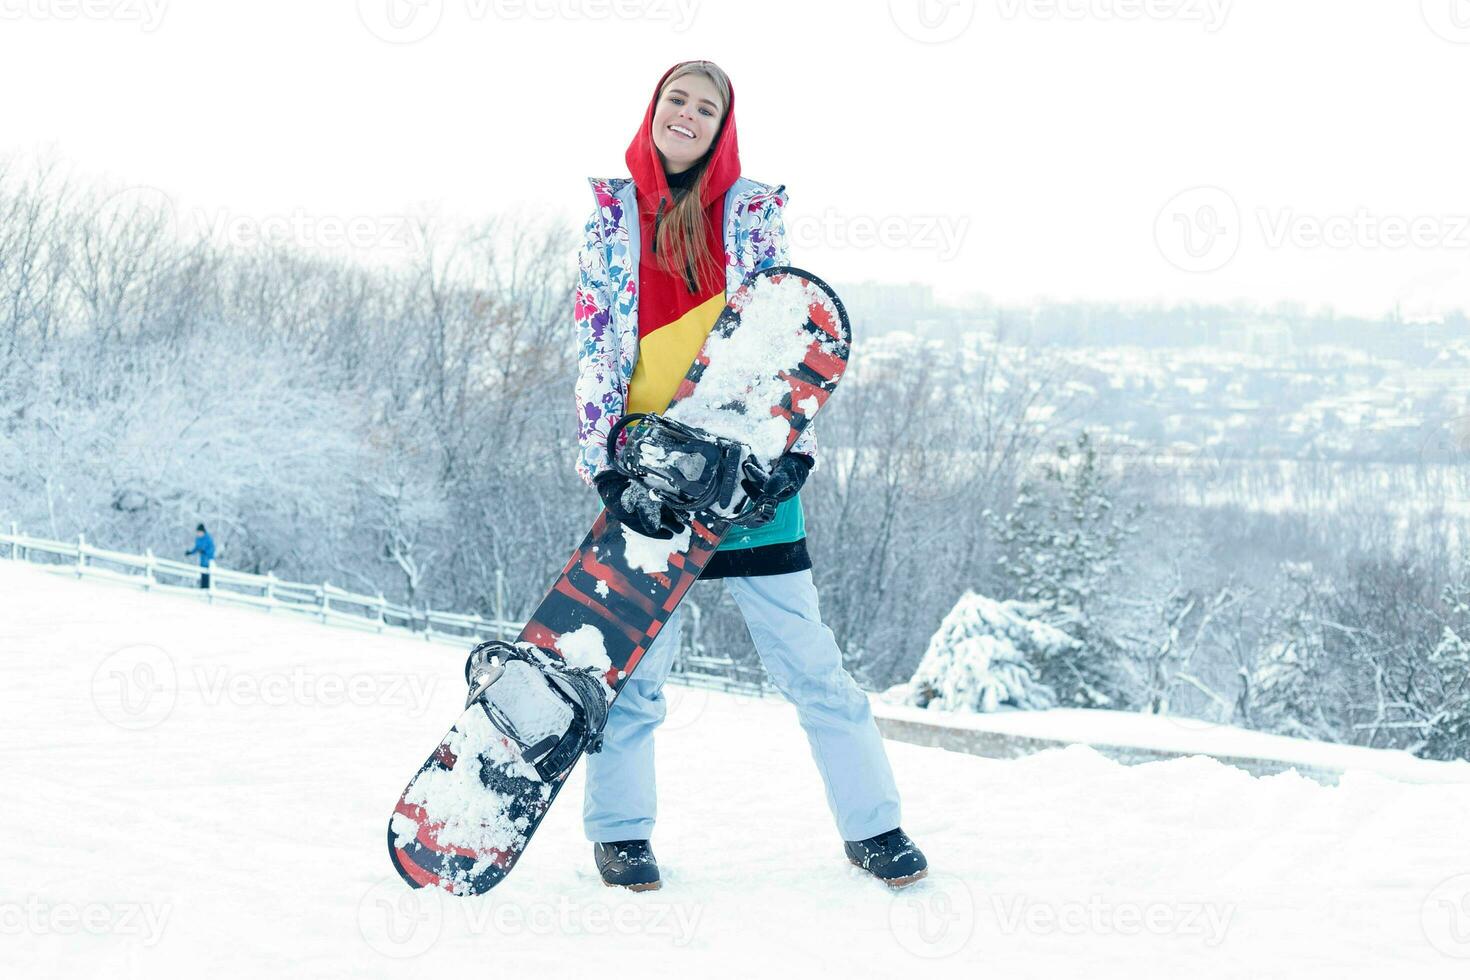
point(324, 602)
point(329, 604)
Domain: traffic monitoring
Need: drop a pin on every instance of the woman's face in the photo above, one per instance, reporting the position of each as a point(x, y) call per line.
point(686, 120)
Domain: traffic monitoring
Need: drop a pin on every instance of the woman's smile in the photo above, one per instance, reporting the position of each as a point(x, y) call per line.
point(686, 120)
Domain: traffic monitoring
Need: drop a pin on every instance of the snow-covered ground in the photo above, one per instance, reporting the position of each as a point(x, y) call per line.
point(1185, 736)
point(196, 790)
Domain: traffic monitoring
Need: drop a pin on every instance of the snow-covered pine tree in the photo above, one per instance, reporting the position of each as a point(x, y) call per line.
point(980, 659)
point(1449, 729)
point(1061, 539)
point(1284, 691)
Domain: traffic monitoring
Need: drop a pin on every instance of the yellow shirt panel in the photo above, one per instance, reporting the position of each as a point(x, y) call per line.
point(665, 354)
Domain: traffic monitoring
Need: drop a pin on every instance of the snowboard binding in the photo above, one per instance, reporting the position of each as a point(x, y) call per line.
point(688, 468)
point(553, 712)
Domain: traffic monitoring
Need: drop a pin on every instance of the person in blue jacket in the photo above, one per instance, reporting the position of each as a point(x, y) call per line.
point(204, 548)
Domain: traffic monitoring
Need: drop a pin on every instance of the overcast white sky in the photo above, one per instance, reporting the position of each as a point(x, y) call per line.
point(1307, 150)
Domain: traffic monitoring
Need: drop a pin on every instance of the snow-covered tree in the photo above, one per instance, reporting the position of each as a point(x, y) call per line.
point(981, 659)
point(1449, 728)
point(1283, 691)
point(1379, 658)
point(1062, 538)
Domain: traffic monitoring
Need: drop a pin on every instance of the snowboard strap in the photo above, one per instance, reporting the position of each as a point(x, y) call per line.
point(688, 468)
point(521, 716)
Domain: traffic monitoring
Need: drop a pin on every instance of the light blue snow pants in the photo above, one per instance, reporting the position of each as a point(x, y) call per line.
point(803, 660)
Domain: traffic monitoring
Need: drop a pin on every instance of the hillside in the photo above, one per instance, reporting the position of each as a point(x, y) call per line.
point(198, 789)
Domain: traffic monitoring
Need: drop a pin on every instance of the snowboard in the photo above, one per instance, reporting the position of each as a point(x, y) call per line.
point(771, 360)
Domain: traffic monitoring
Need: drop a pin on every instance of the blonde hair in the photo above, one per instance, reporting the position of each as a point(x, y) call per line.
point(680, 240)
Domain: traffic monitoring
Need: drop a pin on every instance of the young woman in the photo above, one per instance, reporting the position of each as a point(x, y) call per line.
point(660, 254)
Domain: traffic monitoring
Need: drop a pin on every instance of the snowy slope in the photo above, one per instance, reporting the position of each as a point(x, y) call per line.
point(196, 790)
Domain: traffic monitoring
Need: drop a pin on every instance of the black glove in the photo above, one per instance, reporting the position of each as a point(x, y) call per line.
point(785, 482)
point(633, 504)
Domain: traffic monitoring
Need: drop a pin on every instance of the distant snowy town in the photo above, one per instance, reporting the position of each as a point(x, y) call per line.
point(1232, 383)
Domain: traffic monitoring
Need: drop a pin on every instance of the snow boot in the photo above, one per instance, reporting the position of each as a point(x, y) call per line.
point(890, 857)
point(627, 863)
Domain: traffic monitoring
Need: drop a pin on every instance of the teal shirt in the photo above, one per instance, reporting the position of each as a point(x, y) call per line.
point(787, 526)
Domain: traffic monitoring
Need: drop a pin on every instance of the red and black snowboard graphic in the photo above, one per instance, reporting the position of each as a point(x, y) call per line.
point(771, 361)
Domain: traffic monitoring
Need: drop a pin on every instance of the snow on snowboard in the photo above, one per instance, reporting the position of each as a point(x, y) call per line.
point(770, 362)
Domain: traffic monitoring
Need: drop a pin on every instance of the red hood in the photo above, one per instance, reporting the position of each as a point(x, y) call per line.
point(648, 170)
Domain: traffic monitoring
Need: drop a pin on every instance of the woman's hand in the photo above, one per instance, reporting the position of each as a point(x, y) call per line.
point(634, 505)
point(786, 480)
